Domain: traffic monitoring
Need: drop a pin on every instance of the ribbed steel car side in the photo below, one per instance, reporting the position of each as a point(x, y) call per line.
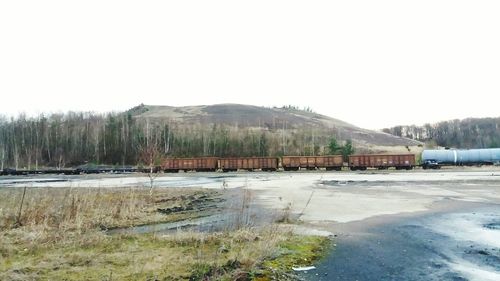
point(381, 161)
point(201, 164)
point(248, 163)
point(329, 162)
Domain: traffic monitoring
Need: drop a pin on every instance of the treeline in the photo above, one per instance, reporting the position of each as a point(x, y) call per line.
point(467, 133)
point(297, 108)
point(72, 139)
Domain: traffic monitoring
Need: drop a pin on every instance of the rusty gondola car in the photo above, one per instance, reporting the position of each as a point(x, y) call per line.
point(329, 162)
point(289, 163)
point(248, 163)
point(199, 164)
point(382, 161)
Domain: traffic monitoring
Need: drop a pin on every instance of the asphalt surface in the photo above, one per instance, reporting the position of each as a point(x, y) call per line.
point(458, 245)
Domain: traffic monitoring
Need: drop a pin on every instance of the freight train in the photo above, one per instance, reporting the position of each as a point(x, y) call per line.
point(290, 163)
point(430, 159)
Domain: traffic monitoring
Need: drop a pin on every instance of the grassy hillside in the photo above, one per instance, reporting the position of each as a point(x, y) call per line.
point(289, 127)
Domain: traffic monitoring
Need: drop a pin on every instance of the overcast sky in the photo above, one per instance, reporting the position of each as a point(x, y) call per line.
point(371, 63)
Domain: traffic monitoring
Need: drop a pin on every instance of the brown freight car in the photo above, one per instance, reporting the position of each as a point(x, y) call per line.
point(248, 163)
point(200, 164)
point(382, 161)
point(329, 162)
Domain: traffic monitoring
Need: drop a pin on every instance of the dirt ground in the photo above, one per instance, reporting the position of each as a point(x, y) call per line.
point(379, 215)
point(315, 197)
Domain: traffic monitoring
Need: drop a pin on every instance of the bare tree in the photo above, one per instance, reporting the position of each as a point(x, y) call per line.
point(3, 158)
point(150, 154)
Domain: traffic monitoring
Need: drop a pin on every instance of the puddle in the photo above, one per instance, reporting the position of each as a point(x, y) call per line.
point(340, 182)
point(212, 223)
point(493, 225)
point(203, 224)
point(28, 181)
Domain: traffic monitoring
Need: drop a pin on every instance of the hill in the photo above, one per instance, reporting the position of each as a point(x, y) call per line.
point(146, 133)
point(288, 122)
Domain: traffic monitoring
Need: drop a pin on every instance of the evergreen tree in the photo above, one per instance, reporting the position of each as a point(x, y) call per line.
point(347, 149)
point(333, 146)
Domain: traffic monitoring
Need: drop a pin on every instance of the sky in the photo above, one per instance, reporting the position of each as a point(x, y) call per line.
point(374, 64)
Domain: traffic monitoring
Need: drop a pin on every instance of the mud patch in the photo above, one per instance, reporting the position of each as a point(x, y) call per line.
point(197, 203)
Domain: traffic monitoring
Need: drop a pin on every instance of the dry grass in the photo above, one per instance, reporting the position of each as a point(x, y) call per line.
point(86, 208)
point(60, 237)
point(233, 255)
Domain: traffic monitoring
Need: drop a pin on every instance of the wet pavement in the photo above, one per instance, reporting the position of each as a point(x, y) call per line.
point(458, 245)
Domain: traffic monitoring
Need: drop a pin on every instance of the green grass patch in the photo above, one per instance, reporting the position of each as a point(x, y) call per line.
point(245, 254)
point(297, 251)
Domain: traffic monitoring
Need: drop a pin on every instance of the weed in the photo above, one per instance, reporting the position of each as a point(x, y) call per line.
point(60, 238)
